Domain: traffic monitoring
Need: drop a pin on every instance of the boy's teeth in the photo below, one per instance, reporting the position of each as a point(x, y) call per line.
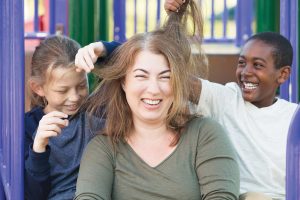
point(250, 86)
point(151, 102)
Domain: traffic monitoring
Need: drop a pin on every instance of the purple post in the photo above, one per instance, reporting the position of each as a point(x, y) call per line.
point(225, 19)
point(12, 98)
point(61, 16)
point(146, 16)
point(285, 30)
point(36, 16)
point(243, 20)
point(52, 16)
point(289, 28)
point(293, 159)
point(212, 20)
point(158, 13)
point(119, 20)
point(135, 16)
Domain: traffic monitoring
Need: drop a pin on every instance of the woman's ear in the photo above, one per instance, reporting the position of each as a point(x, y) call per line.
point(284, 74)
point(36, 88)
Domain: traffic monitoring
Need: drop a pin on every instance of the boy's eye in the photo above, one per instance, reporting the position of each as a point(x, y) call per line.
point(258, 65)
point(241, 62)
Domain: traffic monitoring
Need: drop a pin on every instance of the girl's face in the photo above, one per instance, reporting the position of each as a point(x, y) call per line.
point(65, 90)
point(148, 88)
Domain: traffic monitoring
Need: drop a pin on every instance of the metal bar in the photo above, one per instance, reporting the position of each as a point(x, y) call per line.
point(285, 30)
point(243, 21)
point(225, 19)
point(12, 94)
point(36, 15)
point(212, 19)
point(52, 19)
point(146, 16)
point(294, 41)
point(135, 16)
point(61, 16)
point(158, 13)
point(119, 19)
point(293, 159)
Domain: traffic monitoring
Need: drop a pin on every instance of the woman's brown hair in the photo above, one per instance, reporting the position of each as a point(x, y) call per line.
point(171, 41)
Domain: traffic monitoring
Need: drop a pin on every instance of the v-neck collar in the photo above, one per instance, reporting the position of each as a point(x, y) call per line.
point(161, 162)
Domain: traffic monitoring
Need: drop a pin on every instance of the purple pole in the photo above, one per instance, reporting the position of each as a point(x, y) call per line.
point(12, 97)
point(36, 16)
point(135, 16)
point(61, 15)
point(225, 19)
point(289, 28)
point(293, 159)
point(119, 20)
point(158, 13)
point(146, 16)
point(285, 30)
point(243, 19)
point(212, 20)
point(52, 19)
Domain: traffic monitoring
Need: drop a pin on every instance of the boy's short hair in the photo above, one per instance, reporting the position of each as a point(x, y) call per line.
point(283, 50)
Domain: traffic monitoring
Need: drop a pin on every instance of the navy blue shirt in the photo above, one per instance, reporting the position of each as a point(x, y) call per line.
point(53, 173)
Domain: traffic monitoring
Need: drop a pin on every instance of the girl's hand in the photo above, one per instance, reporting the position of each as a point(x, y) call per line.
point(49, 126)
point(173, 5)
point(88, 55)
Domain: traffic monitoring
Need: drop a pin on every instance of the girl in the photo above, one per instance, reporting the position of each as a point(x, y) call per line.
point(54, 142)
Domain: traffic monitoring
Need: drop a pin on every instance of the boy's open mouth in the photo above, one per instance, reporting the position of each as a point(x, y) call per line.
point(249, 86)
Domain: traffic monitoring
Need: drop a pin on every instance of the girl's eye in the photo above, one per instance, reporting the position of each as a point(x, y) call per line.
point(62, 91)
point(82, 86)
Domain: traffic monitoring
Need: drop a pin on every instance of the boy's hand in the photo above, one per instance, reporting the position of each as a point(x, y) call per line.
point(49, 126)
point(88, 55)
point(173, 5)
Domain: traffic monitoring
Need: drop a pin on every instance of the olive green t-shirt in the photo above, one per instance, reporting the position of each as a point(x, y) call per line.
point(203, 166)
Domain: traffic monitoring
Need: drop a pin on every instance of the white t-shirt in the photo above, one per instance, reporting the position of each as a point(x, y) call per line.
point(258, 134)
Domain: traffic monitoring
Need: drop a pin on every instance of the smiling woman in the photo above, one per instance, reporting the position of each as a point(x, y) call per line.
point(150, 137)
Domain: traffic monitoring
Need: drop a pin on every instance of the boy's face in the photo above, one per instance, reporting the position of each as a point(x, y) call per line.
point(256, 73)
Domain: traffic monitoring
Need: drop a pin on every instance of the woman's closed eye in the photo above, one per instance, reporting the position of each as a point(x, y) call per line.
point(141, 76)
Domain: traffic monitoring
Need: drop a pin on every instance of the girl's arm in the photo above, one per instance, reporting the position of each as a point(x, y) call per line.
point(37, 168)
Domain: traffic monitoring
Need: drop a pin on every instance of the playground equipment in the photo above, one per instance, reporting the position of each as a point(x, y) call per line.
point(12, 95)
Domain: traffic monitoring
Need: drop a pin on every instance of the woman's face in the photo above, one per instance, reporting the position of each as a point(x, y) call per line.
point(148, 88)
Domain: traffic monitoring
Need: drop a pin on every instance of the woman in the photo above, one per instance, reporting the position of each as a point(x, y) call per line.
point(152, 146)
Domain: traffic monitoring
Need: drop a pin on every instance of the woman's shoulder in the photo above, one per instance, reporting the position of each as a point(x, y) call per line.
point(201, 122)
point(101, 141)
point(204, 127)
